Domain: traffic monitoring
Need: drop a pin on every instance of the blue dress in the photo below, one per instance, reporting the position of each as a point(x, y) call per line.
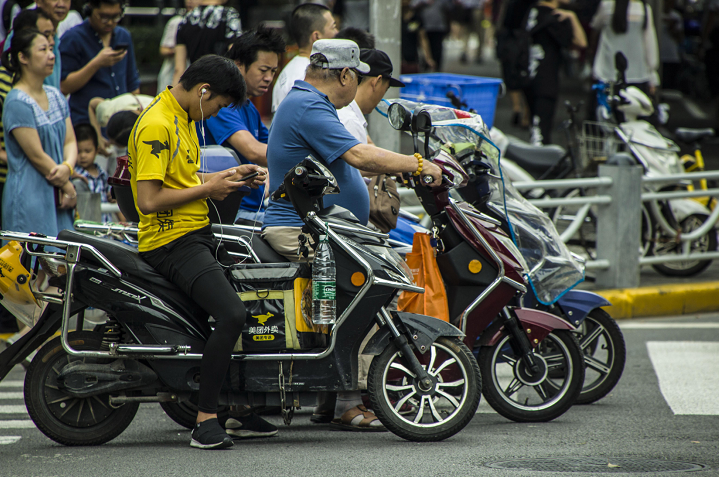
point(28, 203)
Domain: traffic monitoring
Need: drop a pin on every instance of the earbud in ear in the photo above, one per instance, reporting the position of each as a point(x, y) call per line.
point(203, 91)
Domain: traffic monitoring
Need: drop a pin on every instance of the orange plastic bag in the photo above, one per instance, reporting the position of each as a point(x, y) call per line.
point(424, 267)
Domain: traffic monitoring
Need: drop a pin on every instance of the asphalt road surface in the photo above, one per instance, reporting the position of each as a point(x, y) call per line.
point(664, 413)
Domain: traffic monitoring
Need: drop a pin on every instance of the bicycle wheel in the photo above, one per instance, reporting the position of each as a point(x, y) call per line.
point(664, 245)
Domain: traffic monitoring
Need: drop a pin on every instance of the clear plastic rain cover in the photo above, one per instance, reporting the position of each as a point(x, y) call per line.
point(553, 270)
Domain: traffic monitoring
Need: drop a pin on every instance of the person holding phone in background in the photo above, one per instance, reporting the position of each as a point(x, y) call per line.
point(98, 59)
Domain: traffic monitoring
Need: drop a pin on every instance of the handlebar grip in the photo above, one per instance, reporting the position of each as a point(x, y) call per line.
point(278, 193)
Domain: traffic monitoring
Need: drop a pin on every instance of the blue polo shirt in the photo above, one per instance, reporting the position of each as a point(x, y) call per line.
point(306, 123)
point(81, 44)
point(229, 121)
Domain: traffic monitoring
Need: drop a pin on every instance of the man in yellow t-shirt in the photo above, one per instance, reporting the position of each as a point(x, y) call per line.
point(175, 235)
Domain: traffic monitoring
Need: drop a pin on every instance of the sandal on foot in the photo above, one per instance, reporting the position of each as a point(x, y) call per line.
point(357, 419)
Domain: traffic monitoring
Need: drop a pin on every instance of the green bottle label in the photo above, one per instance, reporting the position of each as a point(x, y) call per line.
point(324, 290)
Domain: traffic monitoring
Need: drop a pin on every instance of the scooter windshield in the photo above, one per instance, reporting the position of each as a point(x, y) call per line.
point(553, 270)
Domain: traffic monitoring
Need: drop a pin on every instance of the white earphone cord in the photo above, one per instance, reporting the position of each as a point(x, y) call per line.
point(202, 153)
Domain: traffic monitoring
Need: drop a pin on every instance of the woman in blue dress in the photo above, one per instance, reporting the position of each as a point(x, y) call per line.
point(40, 142)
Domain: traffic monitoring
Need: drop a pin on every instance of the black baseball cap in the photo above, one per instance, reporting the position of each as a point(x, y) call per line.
point(379, 64)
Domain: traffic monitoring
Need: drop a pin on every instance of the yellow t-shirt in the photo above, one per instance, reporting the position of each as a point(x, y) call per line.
point(163, 146)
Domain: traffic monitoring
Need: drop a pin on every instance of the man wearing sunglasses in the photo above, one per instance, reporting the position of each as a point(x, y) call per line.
point(98, 59)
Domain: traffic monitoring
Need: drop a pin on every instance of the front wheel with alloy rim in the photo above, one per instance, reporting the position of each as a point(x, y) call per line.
point(436, 412)
point(66, 419)
point(602, 343)
point(524, 395)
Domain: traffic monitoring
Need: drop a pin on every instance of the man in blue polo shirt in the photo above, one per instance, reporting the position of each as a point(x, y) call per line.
point(98, 59)
point(257, 54)
point(306, 123)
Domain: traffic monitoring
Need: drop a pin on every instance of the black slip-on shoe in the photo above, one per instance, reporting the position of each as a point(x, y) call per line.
point(209, 434)
point(251, 425)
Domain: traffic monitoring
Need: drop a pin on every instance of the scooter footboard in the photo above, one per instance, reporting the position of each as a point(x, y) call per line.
point(423, 329)
point(537, 324)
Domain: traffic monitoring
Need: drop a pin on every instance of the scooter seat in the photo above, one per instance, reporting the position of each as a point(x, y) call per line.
point(689, 135)
point(262, 249)
point(534, 159)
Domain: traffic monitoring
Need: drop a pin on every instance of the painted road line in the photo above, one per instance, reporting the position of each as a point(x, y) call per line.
point(687, 373)
point(668, 326)
point(17, 424)
point(18, 409)
point(11, 384)
point(12, 395)
point(4, 440)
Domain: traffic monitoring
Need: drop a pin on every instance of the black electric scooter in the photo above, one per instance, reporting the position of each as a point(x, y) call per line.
point(84, 388)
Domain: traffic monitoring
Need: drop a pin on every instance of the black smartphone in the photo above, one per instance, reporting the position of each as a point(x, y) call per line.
point(121, 47)
point(248, 177)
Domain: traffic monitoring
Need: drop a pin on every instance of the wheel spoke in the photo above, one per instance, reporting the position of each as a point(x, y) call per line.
point(101, 403)
point(420, 412)
point(448, 397)
point(69, 407)
point(541, 391)
point(513, 387)
point(92, 411)
point(394, 387)
point(554, 360)
point(432, 357)
point(451, 384)
point(511, 360)
point(401, 402)
point(596, 365)
point(65, 398)
point(402, 368)
point(589, 339)
point(79, 411)
point(444, 365)
point(435, 413)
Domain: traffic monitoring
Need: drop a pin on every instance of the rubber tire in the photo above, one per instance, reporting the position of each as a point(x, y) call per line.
point(109, 428)
point(382, 410)
point(185, 413)
point(613, 333)
point(699, 267)
point(506, 409)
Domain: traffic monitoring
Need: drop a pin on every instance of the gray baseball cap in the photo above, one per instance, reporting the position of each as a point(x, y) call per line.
point(339, 54)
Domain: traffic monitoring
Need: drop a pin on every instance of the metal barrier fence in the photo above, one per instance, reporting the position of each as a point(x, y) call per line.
point(617, 208)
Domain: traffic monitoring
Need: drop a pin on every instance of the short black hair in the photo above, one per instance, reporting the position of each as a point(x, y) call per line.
point(305, 19)
point(245, 48)
point(28, 19)
point(120, 126)
point(84, 132)
point(93, 4)
point(221, 74)
point(364, 39)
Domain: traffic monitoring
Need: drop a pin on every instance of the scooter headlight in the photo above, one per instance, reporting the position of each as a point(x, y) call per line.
point(392, 257)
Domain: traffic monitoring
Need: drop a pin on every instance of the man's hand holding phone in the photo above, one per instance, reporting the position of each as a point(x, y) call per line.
point(109, 57)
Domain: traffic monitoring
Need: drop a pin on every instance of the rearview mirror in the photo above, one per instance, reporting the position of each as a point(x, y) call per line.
point(421, 121)
point(399, 117)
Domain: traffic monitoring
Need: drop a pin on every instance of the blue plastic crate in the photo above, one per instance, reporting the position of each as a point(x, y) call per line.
point(478, 92)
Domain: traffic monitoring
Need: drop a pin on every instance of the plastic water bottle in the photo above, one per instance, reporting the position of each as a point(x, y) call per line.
point(324, 285)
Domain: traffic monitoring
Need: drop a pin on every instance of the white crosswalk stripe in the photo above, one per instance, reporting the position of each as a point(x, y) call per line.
point(687, 373)
point(12, 395)
point(13, 413)
point(4, 440)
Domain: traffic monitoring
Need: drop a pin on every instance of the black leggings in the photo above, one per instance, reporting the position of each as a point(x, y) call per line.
point(542, 108)
point(190, 263)
point(214, 294)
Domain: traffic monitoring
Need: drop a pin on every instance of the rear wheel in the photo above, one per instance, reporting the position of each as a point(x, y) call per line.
point(664, 245)
point(62, 417)
point(604, 351)
point(438, 413)
point(522, 395)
